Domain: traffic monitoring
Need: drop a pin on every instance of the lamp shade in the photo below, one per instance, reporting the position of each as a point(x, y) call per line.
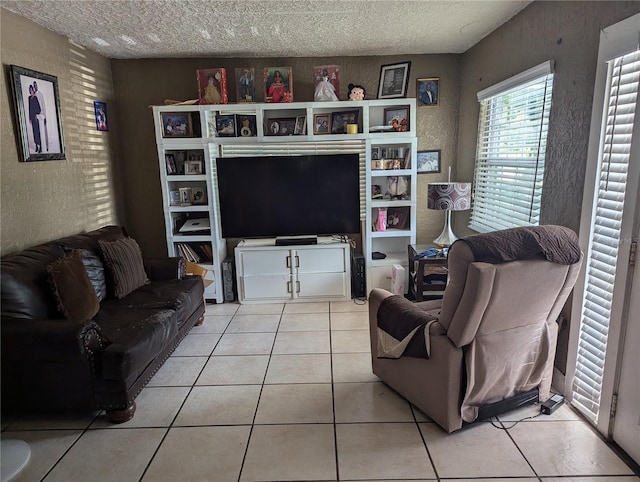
point(449, 196)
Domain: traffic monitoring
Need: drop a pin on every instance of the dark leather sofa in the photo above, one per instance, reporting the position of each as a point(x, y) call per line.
point(50, 363)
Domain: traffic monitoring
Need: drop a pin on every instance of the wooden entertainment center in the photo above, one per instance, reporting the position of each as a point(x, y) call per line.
point(187, 156)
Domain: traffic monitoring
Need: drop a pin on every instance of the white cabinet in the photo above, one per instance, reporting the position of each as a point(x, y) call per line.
point(268, 273)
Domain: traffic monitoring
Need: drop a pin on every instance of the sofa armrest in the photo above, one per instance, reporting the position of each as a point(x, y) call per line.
point(160, 269)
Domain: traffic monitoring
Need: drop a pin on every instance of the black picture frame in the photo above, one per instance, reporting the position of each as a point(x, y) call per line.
point(281, 127)
point(394, 80)
point(246, 125)
point(400, 114)
point(301, 126)
point(428, 162)
point(339, 120)
point(47, 117)
point(176, 124)
point(428, 92)
point(100, 110)
point(226, 125)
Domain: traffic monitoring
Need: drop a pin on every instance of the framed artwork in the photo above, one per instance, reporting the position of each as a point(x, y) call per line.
point(192, 168)
point(212, 86)
point(100, 109)
point(397, 118)
point(246, 85)
point(427, 91)
point(170, 160)
point(37, 104)
point(428, 161)
point(199, 195)
point(322, 123)
point(301, 125)
point(394, 79)
point(278, 84)
point(245, 125)
point(340, 120)
point(398, 218)
point(174, 198)
point(185, 196)
point(326, 82)
point(281, 127)
point(176, 124)
point(226, 125)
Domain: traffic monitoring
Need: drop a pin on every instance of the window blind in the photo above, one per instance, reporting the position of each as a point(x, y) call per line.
point(510, 154)
point(602, 255)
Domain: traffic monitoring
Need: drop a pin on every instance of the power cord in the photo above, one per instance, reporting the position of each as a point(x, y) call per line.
point(514, 423)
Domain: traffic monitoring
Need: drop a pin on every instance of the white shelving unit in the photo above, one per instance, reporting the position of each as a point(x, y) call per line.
point(392, 146)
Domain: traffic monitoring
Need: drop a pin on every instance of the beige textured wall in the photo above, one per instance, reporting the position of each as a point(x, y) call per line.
point(140, 83)
point(41, 201)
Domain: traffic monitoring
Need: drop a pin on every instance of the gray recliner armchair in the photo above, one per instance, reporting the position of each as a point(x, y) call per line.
point(492, 337)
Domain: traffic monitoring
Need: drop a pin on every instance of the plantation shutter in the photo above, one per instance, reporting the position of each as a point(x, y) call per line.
point(602, 256)
point(510, 154)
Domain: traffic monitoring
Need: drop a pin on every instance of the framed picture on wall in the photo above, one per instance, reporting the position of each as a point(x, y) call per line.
point(100, 109)
point(428, 161)
point(427, 91)
point(394, 79)
point(37, 105)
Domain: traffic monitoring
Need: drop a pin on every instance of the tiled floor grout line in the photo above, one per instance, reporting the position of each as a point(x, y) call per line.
point(424, 440)
point(333, 400)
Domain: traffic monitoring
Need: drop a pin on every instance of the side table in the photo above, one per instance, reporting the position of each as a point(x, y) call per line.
point(420, 268)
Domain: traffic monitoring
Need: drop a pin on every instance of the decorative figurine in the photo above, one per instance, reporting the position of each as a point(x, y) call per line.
point(356, 92)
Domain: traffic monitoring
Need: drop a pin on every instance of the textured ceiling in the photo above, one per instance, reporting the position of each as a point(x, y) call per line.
point(269, 28)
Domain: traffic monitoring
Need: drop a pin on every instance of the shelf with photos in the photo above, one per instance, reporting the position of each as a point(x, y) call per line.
point(184, 163)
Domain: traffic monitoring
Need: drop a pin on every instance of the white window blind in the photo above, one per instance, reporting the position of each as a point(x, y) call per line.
point(510, 155)
point(602, 256)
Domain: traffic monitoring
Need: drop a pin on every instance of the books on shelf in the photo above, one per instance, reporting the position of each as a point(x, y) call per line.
point(195, 252)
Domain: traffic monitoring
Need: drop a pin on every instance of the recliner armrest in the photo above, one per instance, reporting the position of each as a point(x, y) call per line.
point(161, 269)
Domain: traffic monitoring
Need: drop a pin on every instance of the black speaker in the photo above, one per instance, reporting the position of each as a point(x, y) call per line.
point(229, 278)
point(358, 279)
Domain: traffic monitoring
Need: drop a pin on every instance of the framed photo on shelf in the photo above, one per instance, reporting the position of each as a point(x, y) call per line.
point(176, 124)
point(212, 86)
point(376, 153)
point(170, 161)
point(226, 125)
point(281, 127)
point(199, 195)
point(174, 198)
point(37, 105)
point(246, 85)
point(185, 196)
point(278, 84)
point(428, 161)
point(397, 117)
point(100, 110)
point(427, 91)
point(340, 120)
point(301, 125)
point(245, 125)
point(394, 79)
point(321, 124)
point(192, 168)
point(398, 218)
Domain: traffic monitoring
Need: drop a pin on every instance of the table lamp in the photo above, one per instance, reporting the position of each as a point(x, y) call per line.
point(448, 196)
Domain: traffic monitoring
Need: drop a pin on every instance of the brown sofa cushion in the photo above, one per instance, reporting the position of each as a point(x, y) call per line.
point(74, 294)
point(124, 262)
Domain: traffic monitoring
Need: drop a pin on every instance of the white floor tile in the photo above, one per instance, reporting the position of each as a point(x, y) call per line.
point(304, 322)
point(299, 403)
point(354, 320)
point(344, 306)
point(254, 324)
point(245, 344)
point(221, 308)
point(299, 342)
point(321, 307)
point(351, 341)
point(220, 405)
point(199, 344)
point(178, 371)
point(265, 309)
point(299, 369)
point(212, 324)
point(79, 420)
point(352, 367)
point(369, 402)
point(563, 413)
point(234, 370)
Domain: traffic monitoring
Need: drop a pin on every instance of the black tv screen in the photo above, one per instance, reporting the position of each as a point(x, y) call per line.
point(270, 196)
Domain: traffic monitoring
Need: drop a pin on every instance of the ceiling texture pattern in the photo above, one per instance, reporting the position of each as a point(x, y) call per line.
point(130, 29)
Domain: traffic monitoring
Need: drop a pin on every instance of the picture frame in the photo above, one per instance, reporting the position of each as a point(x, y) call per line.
point(321, 124)
point(427, 91)
point(332, 72)
point(340, 120)
point(397, 117)
point(376, 153)
point(176, 124)
point(278, 84)
point(398, 217)
point(170, 161)
point(281, 127)
point(301, 126)
point(193, 168)
point(185, 196)
point(246, 125)
point(428, 162)
point(226, 125)
point(174, 198)
point(394, 80)
point(246, 85)
point(198, 195)
point(212, 86)
point(38, 115)
point(100, 110)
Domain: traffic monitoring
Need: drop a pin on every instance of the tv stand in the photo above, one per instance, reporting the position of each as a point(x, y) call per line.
point(296, 240)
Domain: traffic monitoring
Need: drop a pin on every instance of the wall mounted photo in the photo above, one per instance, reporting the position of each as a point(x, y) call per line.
point(176, 124)
point(322, 124)
point(100, 109)
point(427, 91)
point(37, 104)
point(226, 125)
point(428, 161)
point(301, 126)
point(281, 127)
point(340, 120)
point(245, 125)
point(394, 79)
point(326, 83)
point(278, 84)
point(397, 118)
point(246, 85)
point(212, 86)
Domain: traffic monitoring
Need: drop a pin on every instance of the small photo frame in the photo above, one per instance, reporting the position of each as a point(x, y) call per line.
point(100, 109)
point(174, 198)
point(428, 161)
point(278, 84)
point(185, 196)
point(398, 217)
point(246, 85)
point(397, 118)
point(245, 125)
point(281, 127)
point(192, 168)
point(176, 124)
point(199, 195)
point(212, 86)
point(226, 125)
point(427, 91)
point(321, 124)
point(376, 153)
point(301, 126)
point(170, 161)
point(394, 79)
point(340, 120)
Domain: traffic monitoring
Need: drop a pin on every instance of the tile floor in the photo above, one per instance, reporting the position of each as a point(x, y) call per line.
point(285, 392)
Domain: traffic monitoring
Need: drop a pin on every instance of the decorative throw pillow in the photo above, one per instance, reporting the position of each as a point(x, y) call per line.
point(95, 271)
point(72, 289)
point(124, 262)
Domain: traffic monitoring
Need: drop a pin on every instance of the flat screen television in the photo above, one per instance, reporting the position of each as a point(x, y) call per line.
point(280, 196)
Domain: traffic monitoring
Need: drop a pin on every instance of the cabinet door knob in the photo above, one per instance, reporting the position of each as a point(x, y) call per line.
point(297, 261)
point(297, 286)
point(289, 287)
point(288, 261)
